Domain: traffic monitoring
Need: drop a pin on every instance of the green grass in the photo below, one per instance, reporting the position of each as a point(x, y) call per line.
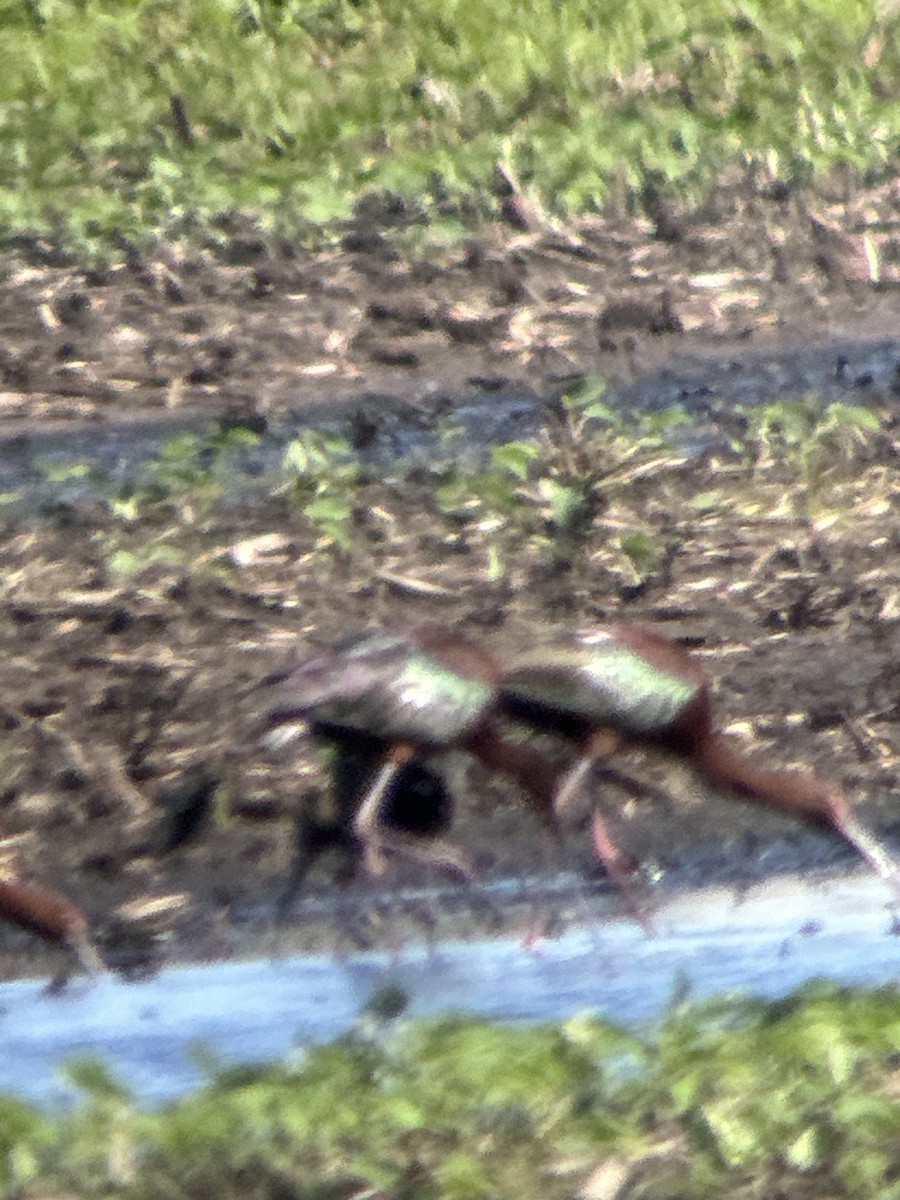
point(731, 1097)
point(287, 110)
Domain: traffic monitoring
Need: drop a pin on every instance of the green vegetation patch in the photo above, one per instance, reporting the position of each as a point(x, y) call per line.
point(595, 494)
point(731, 1097)
point(119, 122)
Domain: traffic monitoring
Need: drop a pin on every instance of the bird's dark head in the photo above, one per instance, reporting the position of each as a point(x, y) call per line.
point(346, 670)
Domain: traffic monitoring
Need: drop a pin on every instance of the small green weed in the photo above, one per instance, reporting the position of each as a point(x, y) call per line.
point(174, 495)
point(67, 471)
point(324, 478)
point(808, 436)
point(548, 496)
point(186, 479)
point(820, 446)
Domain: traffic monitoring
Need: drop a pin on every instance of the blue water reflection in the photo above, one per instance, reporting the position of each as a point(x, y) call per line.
point(765, 943)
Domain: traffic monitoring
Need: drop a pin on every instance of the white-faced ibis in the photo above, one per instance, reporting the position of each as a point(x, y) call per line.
point(51, 916)
point(627, 683)
point(412, 693)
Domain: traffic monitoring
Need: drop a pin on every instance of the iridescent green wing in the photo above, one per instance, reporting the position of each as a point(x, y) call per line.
point(438, 702)
point(606, 683)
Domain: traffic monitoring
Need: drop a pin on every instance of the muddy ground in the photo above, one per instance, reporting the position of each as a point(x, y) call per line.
point(122, 694)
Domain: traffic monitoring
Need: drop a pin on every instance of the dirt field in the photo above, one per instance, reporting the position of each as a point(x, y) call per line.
point(116, 692)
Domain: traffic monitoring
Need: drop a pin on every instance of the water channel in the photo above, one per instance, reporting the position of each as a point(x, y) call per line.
point(767, 941)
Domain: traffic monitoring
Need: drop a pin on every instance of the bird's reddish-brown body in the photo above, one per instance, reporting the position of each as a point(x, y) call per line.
point(42, 911)
point(52, 916)
point(629, 682)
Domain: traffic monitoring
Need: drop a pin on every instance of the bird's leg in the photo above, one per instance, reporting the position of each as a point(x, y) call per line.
point(600, 744)
point(369, 827)
point(618, 868)
point(368, 824)
point(312, 837)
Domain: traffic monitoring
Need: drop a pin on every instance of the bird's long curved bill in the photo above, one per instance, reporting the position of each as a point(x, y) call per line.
point(884, 865)
point(86, 953)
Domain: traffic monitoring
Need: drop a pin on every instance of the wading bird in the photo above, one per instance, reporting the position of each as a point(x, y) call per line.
point(51, 916)
point(627, 683)
point(409, 694)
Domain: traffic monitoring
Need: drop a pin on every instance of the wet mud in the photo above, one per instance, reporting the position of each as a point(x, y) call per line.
point(122, 699)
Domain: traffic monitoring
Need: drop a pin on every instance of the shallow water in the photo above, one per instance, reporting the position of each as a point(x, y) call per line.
point(765, 943)
point(705, 383)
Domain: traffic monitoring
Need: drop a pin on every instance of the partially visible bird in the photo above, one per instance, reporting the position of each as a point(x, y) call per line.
point(410, 694)
point(627, 683)
point(53, 917)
